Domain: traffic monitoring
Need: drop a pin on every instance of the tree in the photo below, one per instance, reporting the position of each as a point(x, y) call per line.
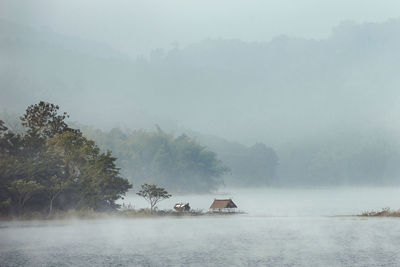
point(50, 165)
point(65, 154)
point(3, 128)
point(42, 120)
point(100, 183)
point(12, 169)
point(23, 191)
point(94, 174)
point(56, 187)
point(153, 194)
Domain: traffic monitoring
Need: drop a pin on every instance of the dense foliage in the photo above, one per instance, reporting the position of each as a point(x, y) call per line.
point(179, 163)
point(51, 166)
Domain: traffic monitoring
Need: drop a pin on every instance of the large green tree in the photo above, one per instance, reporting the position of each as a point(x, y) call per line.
point(51, 165)
point(22, 191)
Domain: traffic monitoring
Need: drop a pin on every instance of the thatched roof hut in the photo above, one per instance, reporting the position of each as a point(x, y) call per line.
point(222, 204)
point(182, 207)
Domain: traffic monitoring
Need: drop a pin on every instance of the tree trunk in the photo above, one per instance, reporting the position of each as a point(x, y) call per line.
point(20, 206)
point(51, 206)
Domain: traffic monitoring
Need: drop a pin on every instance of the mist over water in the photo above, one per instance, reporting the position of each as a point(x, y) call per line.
point(289, 108)
point(284, 227)
point(292, 202)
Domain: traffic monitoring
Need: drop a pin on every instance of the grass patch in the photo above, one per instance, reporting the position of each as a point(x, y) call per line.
point(385, 212)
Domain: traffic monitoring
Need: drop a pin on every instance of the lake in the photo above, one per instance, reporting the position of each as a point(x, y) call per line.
point(282, 227)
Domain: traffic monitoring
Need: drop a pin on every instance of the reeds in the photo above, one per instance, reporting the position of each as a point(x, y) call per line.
point(385, 212)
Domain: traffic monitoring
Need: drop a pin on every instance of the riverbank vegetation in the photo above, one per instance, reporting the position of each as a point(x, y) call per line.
point(50, 166)
point(385, 212)
point(50, 169)
point(130, 213)
point(153, 194)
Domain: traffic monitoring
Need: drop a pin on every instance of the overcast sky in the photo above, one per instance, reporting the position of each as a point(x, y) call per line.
point(139, 26)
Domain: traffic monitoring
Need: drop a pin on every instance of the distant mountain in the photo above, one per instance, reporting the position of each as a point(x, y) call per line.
point(305, 98)
point(251, 166)
point(12, 32)
point(84, 77)
point(266, 92)
point(357, 158)
point(185, 163)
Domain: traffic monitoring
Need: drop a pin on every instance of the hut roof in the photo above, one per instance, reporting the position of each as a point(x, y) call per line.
point(181, 205)
point(222, 204)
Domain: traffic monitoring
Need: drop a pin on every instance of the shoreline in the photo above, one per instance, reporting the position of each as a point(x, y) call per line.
point(146, 213)
point(124, 214)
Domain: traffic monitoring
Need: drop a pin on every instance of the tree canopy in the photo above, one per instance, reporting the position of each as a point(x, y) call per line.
point(153, 194)
point(179, 163)
point(50, 165)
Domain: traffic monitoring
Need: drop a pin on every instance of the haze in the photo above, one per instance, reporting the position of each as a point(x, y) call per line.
point(288, 108)
point(312, 80)
point(138, 27)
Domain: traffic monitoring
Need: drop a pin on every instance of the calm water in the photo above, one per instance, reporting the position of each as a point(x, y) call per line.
point(282, 228)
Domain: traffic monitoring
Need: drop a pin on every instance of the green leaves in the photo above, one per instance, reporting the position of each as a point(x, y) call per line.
point(100, 184)
point(22, 187)
point(42, 120)
point(180, 163)
point(50, 160)
point(153, 194)
point(23, 190)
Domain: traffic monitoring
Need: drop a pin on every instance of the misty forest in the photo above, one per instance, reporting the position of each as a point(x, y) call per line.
point(199, 133)
point(328, 122)
point(45, 162)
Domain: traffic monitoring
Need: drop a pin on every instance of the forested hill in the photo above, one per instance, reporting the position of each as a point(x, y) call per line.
point(45, 164)
point(255, 165)
point(347, 158)
point(186, 164)
point(269, 92)
point(318, 103)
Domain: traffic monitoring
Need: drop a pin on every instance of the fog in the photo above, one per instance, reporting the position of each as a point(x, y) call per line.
point(267, 89)
point(289, 108)
point(138, 27)
point(282, 227)
point(316, 83)
point(287, 202)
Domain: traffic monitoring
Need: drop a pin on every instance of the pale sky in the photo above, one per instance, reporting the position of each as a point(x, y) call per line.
point(137, 27)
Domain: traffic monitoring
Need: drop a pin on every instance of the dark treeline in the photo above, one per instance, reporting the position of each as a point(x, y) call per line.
point(187, 164)
point(180, 163)
point(51, 166)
